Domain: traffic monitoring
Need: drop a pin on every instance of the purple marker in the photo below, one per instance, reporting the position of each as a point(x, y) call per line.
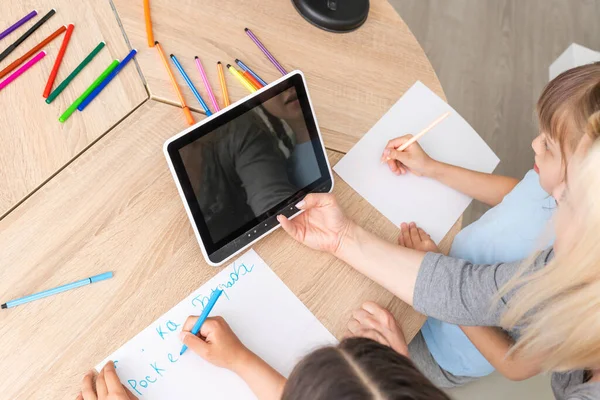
point(18, 24)
point(264, 50)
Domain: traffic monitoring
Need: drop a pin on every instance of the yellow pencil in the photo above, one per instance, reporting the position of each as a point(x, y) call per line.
point(223, 84)
point(240, 78)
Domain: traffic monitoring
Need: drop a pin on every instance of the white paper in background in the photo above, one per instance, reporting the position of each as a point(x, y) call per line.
point(406, 198)
point(267, 317)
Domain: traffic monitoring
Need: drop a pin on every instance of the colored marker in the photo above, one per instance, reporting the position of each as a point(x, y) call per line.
point(20, 40)
point(59, 57)
point(207, 84)
point(186, 109)
point(251, 79)
point(56, 290)
point(24, 68)
point(73, 74)
point(265, 51)
point(31, 52)
point(148, 20)
point(247, 68)
point(17, 24)
point(191, 85)
point(211, 303)
point(223, 84)
point(240, 78)
point(65, 116)
point(105, 82)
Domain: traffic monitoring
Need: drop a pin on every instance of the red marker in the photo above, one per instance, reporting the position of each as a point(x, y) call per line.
point(59, 57)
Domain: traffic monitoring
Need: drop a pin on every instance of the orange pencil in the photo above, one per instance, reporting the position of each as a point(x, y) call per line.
point(59, 57)
point(252, 80)
point(223, 84)
point(148, 23)
point(186, 109)
point(25, 56)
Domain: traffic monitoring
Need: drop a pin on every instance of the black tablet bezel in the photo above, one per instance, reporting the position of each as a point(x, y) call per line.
point(220, 250)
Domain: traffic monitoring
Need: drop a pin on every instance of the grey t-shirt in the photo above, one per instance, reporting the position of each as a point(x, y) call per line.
point(460, 292)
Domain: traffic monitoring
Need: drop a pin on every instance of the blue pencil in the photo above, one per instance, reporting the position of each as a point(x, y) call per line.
point(191, 85)
point(246, 68)
point(211, 303)
point(106, 81)
point(56, 290)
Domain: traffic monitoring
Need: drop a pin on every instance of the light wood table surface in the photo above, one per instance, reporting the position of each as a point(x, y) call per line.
point(353, 78)
point(34, 144)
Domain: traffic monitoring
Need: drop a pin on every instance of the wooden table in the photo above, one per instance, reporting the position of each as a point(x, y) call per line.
point(34, 144)
point(115, 207)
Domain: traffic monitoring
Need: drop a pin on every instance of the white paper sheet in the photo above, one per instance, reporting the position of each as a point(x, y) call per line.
point(407, 198)
point(267, 317)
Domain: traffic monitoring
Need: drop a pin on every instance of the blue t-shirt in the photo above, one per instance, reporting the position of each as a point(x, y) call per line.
point(511, 231)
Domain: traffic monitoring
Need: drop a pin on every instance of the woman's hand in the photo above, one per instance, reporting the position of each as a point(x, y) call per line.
point(412, 159)
point(108, 386)
point(375, 322)
point(322, 225)
point(413, 237)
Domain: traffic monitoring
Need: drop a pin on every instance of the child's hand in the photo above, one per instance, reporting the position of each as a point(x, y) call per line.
point(375, 322)
point(413, 237)
point(108, 386)
point(220, 347)
point(412, 159)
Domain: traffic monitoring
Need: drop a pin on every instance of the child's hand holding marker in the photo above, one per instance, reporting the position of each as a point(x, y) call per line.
point(413, 158)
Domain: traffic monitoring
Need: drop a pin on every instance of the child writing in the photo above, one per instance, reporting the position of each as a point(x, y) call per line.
point(508, 232)
point(358, 368)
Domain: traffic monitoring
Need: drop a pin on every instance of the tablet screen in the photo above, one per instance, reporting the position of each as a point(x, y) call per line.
point(244, 168)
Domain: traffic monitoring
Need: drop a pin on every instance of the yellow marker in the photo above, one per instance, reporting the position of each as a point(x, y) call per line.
point(241, 78)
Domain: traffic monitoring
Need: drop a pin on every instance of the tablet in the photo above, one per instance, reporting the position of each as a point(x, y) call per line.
point(239, 168)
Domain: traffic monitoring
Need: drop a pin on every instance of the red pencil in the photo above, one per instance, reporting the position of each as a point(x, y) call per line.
point(44, 42)
point(252, 80)
point(59, 57)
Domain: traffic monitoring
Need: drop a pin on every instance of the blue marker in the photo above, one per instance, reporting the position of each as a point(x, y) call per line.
point(56, 290)
point(107, 80)
point(191, 85)
point(246, 68)
point(211, 303)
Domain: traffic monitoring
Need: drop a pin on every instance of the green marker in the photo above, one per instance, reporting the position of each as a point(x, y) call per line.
point(73, 74)
point(65, 116)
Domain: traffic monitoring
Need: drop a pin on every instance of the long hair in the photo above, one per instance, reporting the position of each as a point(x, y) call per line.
point(359, 369)
point(558, 307)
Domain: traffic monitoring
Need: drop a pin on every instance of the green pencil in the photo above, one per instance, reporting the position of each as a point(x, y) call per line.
point(73, 74)
point(87, 92)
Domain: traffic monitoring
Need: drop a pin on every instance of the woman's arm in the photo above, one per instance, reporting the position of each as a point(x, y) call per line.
point(494, 344)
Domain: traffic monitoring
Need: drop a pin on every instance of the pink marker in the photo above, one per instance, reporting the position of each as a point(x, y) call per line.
point(24, 68)
point(207, 84)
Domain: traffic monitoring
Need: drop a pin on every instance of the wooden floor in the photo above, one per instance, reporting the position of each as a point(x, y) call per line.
point(492, 58)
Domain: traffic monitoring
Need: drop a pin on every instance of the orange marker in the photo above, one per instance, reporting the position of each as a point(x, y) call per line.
point(149, 33)
point(186, 109)
point(25, 56)
point(59, 57)
point(252, 80)
point(223, 84)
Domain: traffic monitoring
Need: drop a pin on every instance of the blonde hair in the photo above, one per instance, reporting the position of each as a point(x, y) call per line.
point(567, 102)
point(558, 306)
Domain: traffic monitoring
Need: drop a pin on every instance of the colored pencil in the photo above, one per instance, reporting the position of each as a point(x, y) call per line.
point(251, 79)
point(223, 84)
point(265, 51)
point(186, 109)
point(65, 116)
point(149, 33)
point(17, 24)
point(241, 78)
point(247, 68)
point(73, 74)
point(31, 52)
point(59, 57)
point(24, 68)
point(207, 84)
point(202, 318)
point(106, 81)
point(56, 290)
point(191, 85)
point(20, 40)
